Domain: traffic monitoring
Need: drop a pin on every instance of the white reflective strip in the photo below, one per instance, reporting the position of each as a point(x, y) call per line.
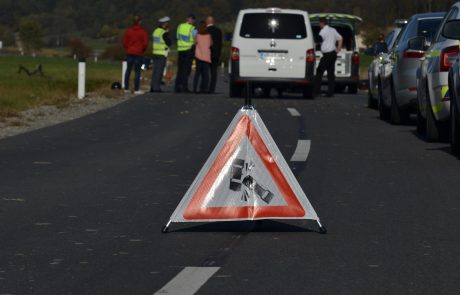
point(188, 281)
point(293, 112)
point(302, 150)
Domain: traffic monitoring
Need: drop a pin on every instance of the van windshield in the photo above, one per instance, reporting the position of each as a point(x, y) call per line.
point(273, 26)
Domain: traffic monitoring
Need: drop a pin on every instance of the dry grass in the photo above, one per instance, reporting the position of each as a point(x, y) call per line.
point(19, 92)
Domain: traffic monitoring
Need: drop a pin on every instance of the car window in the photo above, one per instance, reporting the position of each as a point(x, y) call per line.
point(401, 34)
point(389, 37)
point(392, 41)
point(428, 27)
point(273, 25)
point(452, 14)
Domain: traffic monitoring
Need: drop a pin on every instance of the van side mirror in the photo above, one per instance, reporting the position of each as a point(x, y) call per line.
point(451, 29)
point(418, 43)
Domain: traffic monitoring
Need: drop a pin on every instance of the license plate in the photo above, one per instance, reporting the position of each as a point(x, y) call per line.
point(272, 55)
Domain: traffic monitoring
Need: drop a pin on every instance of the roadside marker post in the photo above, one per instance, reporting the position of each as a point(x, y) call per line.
point(81, 78)
point(124, 67)
point(245, 178)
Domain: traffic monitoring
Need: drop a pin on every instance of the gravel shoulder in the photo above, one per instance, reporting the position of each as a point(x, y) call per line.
point(45, 116)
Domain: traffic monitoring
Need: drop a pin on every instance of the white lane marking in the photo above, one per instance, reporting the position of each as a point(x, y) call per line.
point(188, 281)
point(293, 112)
point(302, 150)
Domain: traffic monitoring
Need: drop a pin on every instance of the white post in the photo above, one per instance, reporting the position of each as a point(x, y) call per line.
point(223, 68)
point(124, 66)
point(81, 78)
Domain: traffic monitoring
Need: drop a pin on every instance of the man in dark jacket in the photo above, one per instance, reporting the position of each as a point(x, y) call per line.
point(216, 49)
point(135, 42)
point(161, 45)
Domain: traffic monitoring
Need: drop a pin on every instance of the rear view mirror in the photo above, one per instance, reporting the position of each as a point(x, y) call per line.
point(418, 43)
point(451, 29)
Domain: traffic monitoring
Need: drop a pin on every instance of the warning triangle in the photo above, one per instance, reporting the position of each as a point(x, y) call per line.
point(245, 178)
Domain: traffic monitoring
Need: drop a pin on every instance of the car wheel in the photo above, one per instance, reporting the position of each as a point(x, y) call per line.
point(421, 123)
point(395, 111)
point(235, 90)
point(353, 88)
point(435, 131)
point(454, 128)
point(432, 132)
point(309, 92)
point(371, 101)
point(383, 110)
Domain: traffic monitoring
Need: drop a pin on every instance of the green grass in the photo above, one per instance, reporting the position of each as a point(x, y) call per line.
point(19, 91)
point(365, 60)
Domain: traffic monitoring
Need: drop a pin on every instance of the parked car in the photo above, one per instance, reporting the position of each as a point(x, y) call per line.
point(347, 63)
point(272, 48)
point(451, 30)
point(374, 68)
point(398, 91)
point(433, 96)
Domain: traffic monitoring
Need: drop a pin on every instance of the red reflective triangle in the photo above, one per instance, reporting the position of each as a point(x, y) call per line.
point(195, 209)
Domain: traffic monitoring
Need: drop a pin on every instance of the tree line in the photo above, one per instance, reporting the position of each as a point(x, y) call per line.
point(56, 21)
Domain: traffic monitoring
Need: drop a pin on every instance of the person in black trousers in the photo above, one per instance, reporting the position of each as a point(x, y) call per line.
point(216, 50)
point(331, 45)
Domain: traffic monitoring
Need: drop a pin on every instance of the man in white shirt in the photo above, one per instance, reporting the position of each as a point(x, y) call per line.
point(329, 50)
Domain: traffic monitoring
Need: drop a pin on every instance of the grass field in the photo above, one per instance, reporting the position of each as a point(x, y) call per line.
point(19, 91)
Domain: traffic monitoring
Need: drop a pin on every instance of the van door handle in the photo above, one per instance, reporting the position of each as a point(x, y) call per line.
point(272, 69)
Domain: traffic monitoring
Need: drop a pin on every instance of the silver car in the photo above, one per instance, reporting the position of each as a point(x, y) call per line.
point(451, 30)
point(433, 112)
point(398, 91)
point(374, 68)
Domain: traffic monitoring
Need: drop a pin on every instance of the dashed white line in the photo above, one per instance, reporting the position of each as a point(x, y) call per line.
point(302, 151)
point(293, 112)
point(188, 281)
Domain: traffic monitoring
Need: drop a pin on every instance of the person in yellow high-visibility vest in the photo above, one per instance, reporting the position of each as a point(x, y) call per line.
point(161, 44)
point(186, 33)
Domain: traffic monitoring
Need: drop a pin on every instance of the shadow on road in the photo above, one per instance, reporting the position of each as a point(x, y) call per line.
point(249, 226)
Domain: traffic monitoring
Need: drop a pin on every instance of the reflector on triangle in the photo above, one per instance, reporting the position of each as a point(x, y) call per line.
point(245, 178)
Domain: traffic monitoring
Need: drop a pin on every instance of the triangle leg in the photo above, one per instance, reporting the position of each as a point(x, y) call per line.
point(322, 229)
point(165, 228)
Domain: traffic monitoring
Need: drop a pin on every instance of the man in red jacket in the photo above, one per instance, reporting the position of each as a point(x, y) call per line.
point(135, 42)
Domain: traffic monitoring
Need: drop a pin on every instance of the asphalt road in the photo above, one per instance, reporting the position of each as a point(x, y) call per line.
point(82, 204)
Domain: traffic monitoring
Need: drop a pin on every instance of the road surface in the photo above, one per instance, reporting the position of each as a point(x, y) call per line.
point(82, 204)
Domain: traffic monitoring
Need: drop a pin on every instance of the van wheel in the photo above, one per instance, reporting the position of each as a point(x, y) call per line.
point(235, 90)
point(309, 92)
point(454, 128)
point(339, 88)
point(352, 88)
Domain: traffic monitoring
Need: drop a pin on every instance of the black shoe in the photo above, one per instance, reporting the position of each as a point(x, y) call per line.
point(329, 95)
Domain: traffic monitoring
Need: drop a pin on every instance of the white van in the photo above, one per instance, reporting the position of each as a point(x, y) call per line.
point(347, 63)
point(272, 48)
